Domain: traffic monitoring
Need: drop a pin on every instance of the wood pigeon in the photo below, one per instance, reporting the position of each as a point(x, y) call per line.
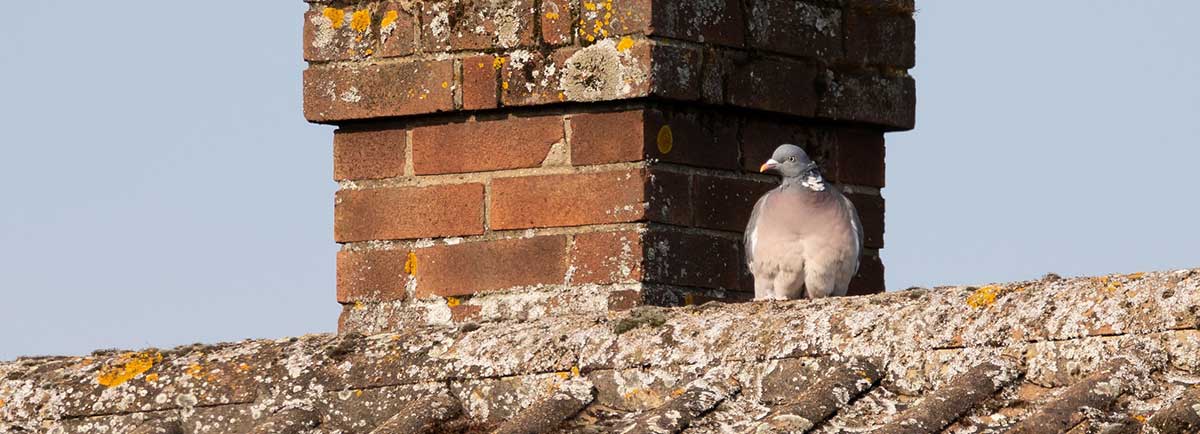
point(804, 237)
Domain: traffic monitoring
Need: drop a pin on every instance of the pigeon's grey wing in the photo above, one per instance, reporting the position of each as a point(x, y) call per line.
point(751, 234)
point(856, 226)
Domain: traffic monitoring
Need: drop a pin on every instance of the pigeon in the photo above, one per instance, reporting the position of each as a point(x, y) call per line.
point(804, 237)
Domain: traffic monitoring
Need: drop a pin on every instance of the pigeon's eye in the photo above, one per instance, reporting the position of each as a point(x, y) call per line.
point(792, 158)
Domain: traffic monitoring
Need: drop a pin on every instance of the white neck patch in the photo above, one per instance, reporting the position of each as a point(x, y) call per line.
point(813, 182)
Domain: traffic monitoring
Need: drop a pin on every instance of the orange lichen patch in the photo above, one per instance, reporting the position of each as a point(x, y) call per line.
point(153, 378)
point(564, 375)
point(591, 6)
point(498, 62)
point(195, 371)
point(677, 392)
point(389, 18)
point(625, 44)
point(1141, 418)
point(1, 403)
point(504, 85)
point(129, 366)
point(575, 371)
point(983, 297)
point(1135, 276)
point(665, 140)
point(335, 16)
point(358, 392)
point(1109, 284)
point(453, 301)
point(244, 367)
point(552, 15)
point(361, 20)
point(87, 361)
point(410, 265)
point(445, 84)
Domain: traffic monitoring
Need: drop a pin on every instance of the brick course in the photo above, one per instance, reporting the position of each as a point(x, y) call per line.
point(408, 212)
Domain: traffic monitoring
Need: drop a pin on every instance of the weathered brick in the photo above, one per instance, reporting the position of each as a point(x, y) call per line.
point(408, 212)
point(775, 85)
point(608, 18)
point(691, 137)
point(371, 276)
point(760, 137)
point(886, 101)
point(710, 21)
point(796, 28)
point(675, 257)
point(610, 137)
point(606, 71)
point(397, 29)
point(676, 72)
point(368, 154)
point(900, 7)
point(479, 78)
point(458, 25)
point(725, 203)
point(606, 258)
point(334, 94)
point(715, 70)
point(469, 268)
point(557, 22)
point(858, 157)
point(877, 38)
point(334, 34)
point(668, 198)
point(476, 146)
point(869, 279)
point(870, 212)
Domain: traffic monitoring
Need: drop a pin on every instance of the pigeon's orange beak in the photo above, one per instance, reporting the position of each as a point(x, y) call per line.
point(770, 164)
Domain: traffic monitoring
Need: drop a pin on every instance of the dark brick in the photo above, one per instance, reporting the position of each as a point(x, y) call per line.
point(408, 212)
point(885, 101)
point(368, 154)
point(796, 28)
point(876, 38)
point(869, 279)
point(334, 94)
point(858, 157)
point(485, 145)
point(775, 85)
point(676, 72)
point(725, 203)
point(694, 138)
point(870, 212)
point(718, 22)
point(761, 136)
point(681, 258)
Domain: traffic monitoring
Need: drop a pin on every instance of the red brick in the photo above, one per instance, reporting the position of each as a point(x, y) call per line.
point(408, 212)
point(627, 17)
point(878, 38)
point(368, 154)
point(568, 200)
point(459, 25)
point(858, 157)
point(870, 212)
point(775, 85)
point(397, 33)
point(371, 276)
point(557, 22)
point(509, 143)
point(469, 268)
point(624, 300)
point(796, 28)
point(614, 137)
point(725, 203)
point(869, 279)
point(373, 91)
point(691, 259)
point(465, 313)
point(479, 77)
point(604, 258)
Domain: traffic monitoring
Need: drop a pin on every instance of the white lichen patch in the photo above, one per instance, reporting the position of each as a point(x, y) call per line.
point(601, 72)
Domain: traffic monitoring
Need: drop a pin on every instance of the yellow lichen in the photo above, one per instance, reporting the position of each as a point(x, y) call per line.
point(552, 15)
point(575, 371)
point(389, 18)
point(677, 392)
point(665, 140)
point(504, 85)
point(1141, 418)
point(410, 265)
point(589, 6)
point(625, 44)
point(1, 403)
point(498, 62)
point(1135, 276)
point(358, 392)
point(129, 366)
point(564, 375)
point(336, 16)
point(361, 20)
point(453, 301)
point(244, 367)
point(195, 371)
point(445, 84)
point(153, 378)
point(983, 297)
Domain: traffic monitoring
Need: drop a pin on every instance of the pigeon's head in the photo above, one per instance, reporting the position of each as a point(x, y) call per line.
point(789, 161)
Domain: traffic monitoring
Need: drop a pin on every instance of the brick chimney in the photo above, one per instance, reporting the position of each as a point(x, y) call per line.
point(510, 159)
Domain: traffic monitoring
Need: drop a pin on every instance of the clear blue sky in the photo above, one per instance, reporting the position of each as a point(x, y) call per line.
point(161, 187)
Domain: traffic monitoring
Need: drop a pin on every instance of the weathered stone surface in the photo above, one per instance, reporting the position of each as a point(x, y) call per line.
point(918, 341)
